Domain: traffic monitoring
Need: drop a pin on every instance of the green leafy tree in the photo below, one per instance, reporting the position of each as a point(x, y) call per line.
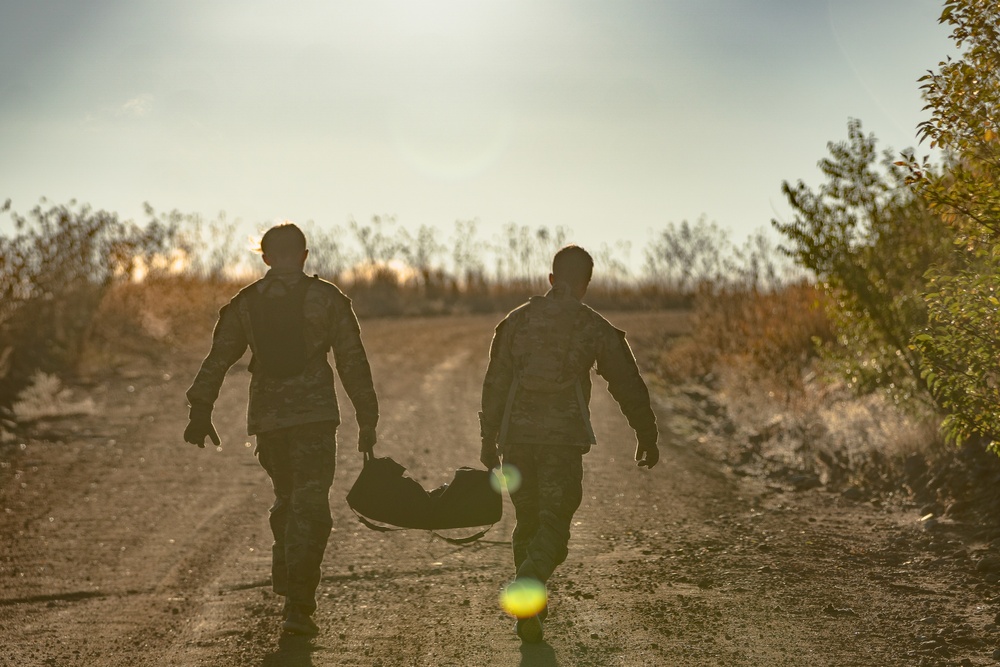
point(869, 241)
point(961, 352)
point(961, 345)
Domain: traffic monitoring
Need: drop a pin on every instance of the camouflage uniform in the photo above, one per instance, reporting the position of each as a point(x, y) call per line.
point(295, 418)
point(536, 398)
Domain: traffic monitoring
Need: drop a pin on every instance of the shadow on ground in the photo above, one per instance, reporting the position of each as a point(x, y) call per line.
point(538, 655)
point(291, 652)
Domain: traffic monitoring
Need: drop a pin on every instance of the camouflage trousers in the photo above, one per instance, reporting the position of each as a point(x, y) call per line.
point(300, 460)
point(550, 493)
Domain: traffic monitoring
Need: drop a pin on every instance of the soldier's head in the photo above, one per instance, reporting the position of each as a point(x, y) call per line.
point(572, 266)
point(284, 247)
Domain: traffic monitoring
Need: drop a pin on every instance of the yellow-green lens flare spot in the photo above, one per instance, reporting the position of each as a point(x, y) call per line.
point(506, 477)
point(523, 598)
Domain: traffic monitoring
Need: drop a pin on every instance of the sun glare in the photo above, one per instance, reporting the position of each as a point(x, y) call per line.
point(506, 477)
point(523, 598)
point(173, 263)
point(370, 271)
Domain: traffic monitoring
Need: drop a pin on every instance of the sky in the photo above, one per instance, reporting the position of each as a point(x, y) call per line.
point(612, 118)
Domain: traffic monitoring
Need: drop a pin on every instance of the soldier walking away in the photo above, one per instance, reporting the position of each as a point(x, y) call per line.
point(535, 406)
point(290, 322)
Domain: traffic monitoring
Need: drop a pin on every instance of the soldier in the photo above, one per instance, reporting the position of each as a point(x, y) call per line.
point(290, 321)
point(536, 398)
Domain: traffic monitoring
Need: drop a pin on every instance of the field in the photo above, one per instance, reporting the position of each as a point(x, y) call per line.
point(126, 546)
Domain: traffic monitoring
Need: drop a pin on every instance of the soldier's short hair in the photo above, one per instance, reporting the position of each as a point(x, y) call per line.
point(573, 265)
point(283, 240)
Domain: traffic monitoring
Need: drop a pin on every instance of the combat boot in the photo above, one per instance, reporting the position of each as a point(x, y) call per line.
point(530, 629)
point(298, 623)
point(279, 571)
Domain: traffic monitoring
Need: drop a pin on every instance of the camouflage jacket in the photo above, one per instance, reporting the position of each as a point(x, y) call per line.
point(310, 396)
point(538, 384)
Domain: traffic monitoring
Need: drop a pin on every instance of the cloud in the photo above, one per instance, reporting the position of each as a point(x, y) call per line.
point(136, 107)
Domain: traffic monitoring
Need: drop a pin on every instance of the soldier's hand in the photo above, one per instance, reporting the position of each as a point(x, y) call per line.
point(200, 427)
point(489, 456)
point(646, 455)
point(366, 439)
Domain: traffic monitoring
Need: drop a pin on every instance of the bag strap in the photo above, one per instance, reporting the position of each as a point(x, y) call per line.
point(458, 541)
point(464, 541)
point(374, 526)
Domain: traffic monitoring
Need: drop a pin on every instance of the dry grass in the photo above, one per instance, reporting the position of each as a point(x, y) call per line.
point(46, 397)
point(772, 412)
point(829, 433)
point(747, 335)
point(152, 318)
point(768, 336)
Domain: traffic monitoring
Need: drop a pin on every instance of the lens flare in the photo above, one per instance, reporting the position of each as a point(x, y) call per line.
point(506, 477)
point(523, 598)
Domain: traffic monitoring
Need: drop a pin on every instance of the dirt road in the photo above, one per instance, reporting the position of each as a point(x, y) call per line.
point(124, 546)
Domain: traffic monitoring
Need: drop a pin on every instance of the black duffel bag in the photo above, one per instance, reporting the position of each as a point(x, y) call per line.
point(383, 493)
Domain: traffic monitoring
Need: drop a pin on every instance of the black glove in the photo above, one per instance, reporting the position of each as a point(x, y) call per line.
point(200, 426)
point(488, 455)
point(366, 439)
point(647, 454)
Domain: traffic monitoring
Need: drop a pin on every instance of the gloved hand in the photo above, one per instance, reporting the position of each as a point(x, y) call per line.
point(366, 439)
point(200, 426)
point(488, 455)
point(647, 454)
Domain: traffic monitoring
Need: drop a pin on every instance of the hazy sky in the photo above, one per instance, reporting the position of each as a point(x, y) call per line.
point(610, 117)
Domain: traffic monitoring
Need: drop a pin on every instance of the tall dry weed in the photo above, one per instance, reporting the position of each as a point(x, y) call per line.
point(55, 270)
point(769, 335)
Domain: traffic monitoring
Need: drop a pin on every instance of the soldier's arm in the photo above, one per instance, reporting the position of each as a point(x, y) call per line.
point(496, 384)
point(352, 365)
point(229, 342)
point(616, 364)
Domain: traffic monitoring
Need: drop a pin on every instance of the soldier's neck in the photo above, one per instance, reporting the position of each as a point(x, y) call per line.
point(563, 291)
point(284, 270)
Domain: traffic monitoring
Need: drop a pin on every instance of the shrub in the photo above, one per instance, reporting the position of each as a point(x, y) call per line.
point(960, 344)
point(770, 335)
point(869, 241)
point(755, 316)
point(682, 257)
point(54, 274)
